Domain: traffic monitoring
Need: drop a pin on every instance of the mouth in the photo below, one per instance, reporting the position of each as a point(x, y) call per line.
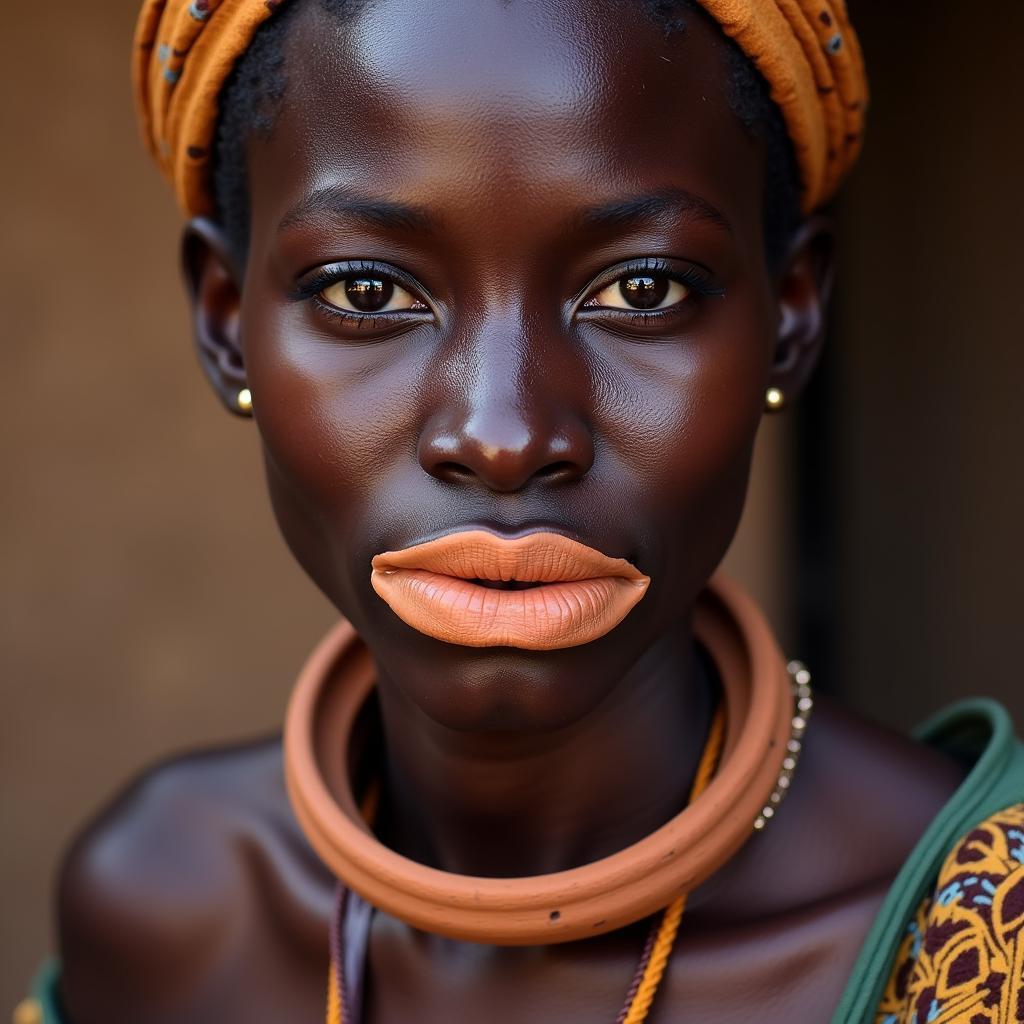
point(538, 592)
point(506, 584)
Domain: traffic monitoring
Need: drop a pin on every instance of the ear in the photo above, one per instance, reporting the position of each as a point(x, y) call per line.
point(213, 281)
point(803, 288)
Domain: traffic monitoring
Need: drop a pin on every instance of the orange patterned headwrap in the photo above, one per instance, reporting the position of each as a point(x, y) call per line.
point(806, 50)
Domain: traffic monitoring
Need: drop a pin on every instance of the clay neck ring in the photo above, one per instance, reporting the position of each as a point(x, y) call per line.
point(595, 898)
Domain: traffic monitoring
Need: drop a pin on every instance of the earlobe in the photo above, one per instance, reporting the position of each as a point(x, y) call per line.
point(214, 287)
point(803, 288)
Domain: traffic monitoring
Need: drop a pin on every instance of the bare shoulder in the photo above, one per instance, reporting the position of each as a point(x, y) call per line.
point(156, 897)
point(861, 798)
point(873, 789)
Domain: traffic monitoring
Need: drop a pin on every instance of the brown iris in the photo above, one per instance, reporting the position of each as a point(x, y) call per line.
point(644, 291)
point(369, 294)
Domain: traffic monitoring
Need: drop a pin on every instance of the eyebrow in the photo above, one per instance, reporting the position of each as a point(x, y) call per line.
point(336, 201)
point(674, 201)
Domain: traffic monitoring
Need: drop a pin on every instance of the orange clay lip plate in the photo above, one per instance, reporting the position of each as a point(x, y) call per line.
point(539, 592)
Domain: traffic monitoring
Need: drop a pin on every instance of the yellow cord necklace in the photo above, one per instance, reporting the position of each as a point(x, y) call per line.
point(657, 949)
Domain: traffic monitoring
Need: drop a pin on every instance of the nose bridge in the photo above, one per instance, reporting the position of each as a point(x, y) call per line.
point(502, 418)
point(502, 401)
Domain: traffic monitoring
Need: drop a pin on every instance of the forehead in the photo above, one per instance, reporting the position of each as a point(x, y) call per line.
point(483, 103)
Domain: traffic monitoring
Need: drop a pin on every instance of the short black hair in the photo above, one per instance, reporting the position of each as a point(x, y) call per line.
point(253, 92)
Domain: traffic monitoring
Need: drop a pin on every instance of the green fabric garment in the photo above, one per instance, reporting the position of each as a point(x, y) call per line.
point(978, 731)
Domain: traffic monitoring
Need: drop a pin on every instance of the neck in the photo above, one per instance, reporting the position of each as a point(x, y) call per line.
point(518, 805)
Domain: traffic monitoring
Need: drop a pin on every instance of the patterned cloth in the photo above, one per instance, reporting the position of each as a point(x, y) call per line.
point(962, 958)
point(807, 51)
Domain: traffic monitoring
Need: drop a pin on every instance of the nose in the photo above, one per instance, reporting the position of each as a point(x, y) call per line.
point(507, 414)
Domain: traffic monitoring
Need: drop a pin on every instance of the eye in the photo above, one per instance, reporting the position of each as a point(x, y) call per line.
point(644, 290)
point(369, 293)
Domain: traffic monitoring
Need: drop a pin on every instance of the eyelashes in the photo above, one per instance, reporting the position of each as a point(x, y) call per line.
point(650, 290)
point(362, 292)
point(369, 294)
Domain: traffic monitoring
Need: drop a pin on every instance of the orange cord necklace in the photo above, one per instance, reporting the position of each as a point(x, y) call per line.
point(657, 949)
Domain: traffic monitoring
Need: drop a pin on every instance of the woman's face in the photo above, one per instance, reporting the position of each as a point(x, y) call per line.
point(507, 271)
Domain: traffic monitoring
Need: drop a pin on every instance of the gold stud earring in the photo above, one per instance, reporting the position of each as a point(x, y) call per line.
point(774, 399)
point(244, 401)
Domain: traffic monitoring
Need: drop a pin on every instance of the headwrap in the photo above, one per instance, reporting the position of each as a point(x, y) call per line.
point(806, 50)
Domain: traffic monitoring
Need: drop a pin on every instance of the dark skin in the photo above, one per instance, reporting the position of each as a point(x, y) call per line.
point(506, 193)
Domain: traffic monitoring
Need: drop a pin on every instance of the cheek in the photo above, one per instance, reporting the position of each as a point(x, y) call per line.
point(687, 414)
point(334, 421)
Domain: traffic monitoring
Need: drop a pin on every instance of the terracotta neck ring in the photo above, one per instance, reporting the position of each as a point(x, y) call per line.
point(590, 900)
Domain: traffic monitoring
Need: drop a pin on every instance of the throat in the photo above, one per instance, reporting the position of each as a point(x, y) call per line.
point(513, 806)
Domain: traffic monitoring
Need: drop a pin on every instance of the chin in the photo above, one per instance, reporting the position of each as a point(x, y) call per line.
point(500, 689)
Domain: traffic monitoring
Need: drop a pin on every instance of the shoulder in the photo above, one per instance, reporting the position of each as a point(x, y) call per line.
point(152, 893)
point(962, 955)
point(860, 799)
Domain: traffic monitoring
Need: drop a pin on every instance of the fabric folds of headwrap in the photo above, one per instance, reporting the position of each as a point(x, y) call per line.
point(806, 50)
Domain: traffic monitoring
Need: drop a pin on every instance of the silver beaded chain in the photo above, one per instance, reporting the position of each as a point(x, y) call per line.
point(803, 703)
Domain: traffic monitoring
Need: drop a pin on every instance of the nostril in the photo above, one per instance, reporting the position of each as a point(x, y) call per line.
point(452, 472)
point(557, 472)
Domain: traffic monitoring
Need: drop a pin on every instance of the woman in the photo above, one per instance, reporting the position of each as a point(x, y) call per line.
point(507, 288)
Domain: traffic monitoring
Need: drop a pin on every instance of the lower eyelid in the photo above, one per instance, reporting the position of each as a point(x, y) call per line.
point(355, 315)
point(679, 312)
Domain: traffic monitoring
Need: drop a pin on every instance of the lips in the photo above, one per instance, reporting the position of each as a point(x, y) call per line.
point(539, 592)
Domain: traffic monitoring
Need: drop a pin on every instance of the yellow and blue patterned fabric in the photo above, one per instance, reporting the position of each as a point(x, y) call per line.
point(961, 960)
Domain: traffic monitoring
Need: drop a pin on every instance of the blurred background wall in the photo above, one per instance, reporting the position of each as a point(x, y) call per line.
point(922, 402)
point(146, 602)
